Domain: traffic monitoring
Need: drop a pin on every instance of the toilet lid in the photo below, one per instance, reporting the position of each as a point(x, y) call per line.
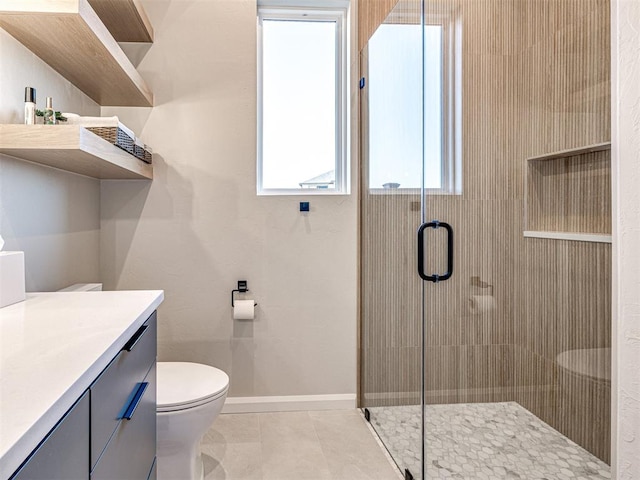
point(181, 384)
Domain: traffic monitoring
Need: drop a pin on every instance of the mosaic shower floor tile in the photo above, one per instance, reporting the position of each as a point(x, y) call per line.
point(483, 441)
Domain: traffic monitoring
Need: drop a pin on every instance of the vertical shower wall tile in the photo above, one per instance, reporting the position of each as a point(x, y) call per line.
point(591, 266)
point(371, 13)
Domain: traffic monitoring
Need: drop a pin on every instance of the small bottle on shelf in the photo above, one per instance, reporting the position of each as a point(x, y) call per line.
point(29, 106)
point(49, 113)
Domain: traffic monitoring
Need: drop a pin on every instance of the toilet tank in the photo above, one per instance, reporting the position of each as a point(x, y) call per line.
point(83, 287)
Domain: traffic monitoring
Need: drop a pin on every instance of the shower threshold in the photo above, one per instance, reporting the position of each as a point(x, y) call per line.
point(482, 441)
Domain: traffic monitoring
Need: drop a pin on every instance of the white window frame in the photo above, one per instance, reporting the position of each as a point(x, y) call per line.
point(451, 142)
point(312, 11)
point(451, 104)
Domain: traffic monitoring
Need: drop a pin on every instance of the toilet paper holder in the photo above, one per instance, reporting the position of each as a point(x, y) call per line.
point(242, 288)
point(476, 282)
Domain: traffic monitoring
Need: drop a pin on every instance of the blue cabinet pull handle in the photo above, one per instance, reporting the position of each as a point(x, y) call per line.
point(135, 339)
point(131, 409)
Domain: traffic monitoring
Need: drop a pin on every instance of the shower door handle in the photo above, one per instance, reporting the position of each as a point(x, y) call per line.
point(435, 278)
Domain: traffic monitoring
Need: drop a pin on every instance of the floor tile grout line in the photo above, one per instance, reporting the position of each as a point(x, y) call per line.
point(257, 415)
point(324, 454)
point(262, 474)
point(322, 448)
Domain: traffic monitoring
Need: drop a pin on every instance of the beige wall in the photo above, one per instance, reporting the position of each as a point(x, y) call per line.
point(53, 216)
point(199, 227)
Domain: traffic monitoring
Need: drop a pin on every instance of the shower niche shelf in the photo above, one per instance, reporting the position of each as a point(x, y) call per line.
point(568, 195)
point(574, 236)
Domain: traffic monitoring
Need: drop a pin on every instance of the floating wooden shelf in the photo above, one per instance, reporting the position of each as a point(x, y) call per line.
point(71, 38)
point(598, 147)
point(574, 236)
point(125, 19)
point(71, 148)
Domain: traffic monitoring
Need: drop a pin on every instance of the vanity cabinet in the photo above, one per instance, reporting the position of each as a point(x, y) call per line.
point(63, 454)
point(110, 432)
point(131, 452)
point(123, 411)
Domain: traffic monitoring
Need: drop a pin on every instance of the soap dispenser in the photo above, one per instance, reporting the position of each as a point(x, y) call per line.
point(49, 113)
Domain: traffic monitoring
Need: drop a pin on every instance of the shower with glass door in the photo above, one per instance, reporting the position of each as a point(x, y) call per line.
point(486, 236)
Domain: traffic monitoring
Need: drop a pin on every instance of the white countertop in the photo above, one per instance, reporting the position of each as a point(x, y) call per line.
point(52, 347)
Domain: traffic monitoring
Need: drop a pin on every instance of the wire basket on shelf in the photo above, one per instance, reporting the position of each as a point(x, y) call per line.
point(121, 139)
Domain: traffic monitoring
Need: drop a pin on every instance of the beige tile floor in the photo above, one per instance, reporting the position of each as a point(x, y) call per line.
point(331, 445)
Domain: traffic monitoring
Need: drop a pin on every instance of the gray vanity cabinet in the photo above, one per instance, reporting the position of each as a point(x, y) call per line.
point(131, 451)
point(123, 410)
point(154, 471)
point(110, 433)
point(63, 454)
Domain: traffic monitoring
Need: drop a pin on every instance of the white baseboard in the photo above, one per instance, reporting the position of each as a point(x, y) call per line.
point(289, 403)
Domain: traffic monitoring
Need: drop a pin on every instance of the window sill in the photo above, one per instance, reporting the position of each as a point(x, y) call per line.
point(410, 191)
point(299, 192)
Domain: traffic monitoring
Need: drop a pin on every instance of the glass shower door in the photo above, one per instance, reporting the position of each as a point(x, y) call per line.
point(391, 182)
point(516, 341)
point(492, 117)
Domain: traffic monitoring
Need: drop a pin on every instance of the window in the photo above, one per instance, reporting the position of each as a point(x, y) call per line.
point(302, 97)
point(398, 90)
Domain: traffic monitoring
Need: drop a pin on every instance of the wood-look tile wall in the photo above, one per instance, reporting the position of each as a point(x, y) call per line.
point(371, 13)
point(535, 79)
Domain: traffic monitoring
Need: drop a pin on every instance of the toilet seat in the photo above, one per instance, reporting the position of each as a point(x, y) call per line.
point(183, 385)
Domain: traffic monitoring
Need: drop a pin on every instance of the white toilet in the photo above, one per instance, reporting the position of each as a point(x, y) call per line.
point(190, 397)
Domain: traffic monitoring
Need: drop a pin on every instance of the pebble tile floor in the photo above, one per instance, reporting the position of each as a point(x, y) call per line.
point(483, 441)
point(331, 445)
